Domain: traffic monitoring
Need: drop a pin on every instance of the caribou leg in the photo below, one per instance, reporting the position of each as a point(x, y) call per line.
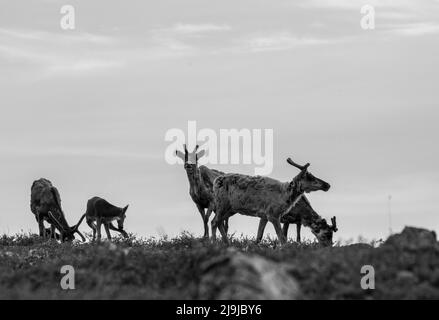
point(206, 222)
point(52, 232)
point(223, 232)
point(107, 230)
point(122, 232)
point(203, 216)
point(298, 227)
point(218, 222)
point(285, 229)
point(98, 229)
point(213, 226)
point(226, 225)
point(41, 227)
point(93, 227)
point(278, 228)
point(261, 228)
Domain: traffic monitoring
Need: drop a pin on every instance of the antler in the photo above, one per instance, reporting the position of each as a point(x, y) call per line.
point(75, 228)
point(81, 235)
point(56, 222)
point(195, 152)
point(79, 223)
point(186, 153)
point(301, 168)
point(334, 224)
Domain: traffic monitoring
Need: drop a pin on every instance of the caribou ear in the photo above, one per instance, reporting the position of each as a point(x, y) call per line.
point(126, 208)
point(201, 154)
point(180, 155)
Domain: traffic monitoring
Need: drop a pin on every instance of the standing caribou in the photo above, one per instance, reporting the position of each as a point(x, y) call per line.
point(102, 212)
point(262, 197)
point(200, 185)
point(45, 204)
point(303, 214)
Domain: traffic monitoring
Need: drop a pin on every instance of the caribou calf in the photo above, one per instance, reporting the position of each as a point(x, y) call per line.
point(303, 214)
point(262, 197)
point(102, 212)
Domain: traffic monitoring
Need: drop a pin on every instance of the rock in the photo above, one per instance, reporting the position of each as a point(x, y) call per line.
point(413, 239)
point(240, 276)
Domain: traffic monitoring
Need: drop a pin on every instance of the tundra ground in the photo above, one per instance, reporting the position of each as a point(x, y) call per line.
point(170, 268)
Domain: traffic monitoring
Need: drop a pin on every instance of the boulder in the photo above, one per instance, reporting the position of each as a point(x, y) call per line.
point(413, 239)
point(239, 276)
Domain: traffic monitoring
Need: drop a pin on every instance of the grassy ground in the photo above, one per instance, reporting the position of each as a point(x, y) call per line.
point(169, 268)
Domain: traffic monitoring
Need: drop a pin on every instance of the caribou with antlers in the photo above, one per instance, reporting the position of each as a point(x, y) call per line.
point(262, 197)
point(200, 185)
point(45, 204)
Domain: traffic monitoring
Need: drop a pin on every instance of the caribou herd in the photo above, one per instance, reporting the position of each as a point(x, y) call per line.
point(268, 199)
point(212, 191)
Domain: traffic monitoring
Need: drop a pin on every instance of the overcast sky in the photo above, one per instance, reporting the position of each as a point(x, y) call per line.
point(89, 108)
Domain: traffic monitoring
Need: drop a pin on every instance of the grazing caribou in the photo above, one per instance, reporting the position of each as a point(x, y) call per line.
point(262, 197)
point(303, 214)
point(102, 212)
point(200, 185)
point(45, 204)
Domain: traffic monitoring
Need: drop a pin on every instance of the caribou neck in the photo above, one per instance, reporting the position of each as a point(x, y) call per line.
point(295, 192)
point(194, 180)
point(311, 219)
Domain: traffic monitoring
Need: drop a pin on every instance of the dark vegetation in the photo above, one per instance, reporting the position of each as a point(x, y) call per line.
point(164, 268)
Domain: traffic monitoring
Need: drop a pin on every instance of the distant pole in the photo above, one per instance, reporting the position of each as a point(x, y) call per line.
point(390, 214)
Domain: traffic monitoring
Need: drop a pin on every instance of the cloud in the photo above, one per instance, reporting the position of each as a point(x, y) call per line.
point(282, 41)
point(414, 29)
point(357, 4)
point(186, 37)
point(395, 17)
point(46, 54)
point(52, 37)
point(83, 66)
point(49, 151)
point(199, 28)
point(51, 53)
point(178, 32)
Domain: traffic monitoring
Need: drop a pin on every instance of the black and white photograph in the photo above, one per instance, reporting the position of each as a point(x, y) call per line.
point(219, 154)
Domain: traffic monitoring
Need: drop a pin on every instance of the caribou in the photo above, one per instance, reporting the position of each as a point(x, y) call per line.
point(200, 185)
point(45, 204)
point(262, 197)
point(102, 212)
point(303, 214)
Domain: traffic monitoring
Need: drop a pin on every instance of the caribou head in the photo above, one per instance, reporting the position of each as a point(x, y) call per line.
point(305, 181)
point(190, 158)
point(324, 232)
point(67, 233)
